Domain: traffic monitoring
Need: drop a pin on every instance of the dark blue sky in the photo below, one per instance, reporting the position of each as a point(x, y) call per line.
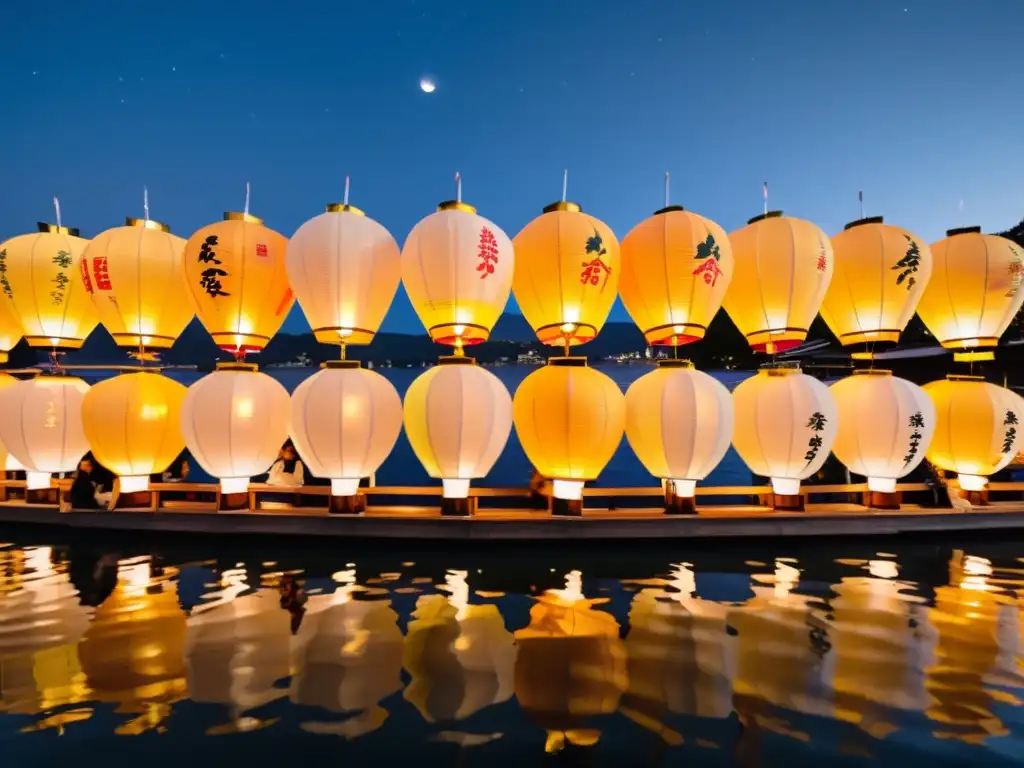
point(915, 101)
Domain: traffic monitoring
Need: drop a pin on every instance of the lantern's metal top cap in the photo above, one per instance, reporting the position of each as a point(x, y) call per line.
point(576, 361)
point(963, 231)
point(873, 372)
point(456, 360)
point(669, 209)
point(563, 205)
point(862, 222)
point(963, 377)
point(673, 363)
point(44, 227)
point(343, 208)
point(341, 364)
point(232, 365)
point(762, 216)
point(146, 224)
point(455, 205)
point(248, 218)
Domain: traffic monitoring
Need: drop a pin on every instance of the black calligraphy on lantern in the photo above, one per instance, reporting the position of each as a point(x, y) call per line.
point(709, 254)
point(908, 264)
point(63, 260)
point(206, 252)
point(487, 252)
point(916, 424)
point(4, 282)
point(816, 423)
point(1016, 270)
point(593, 269)
point(210, 281)
point(1010, 421)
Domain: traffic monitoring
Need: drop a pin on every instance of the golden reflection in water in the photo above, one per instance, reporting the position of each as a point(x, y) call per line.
point(784, 655)
point(460, 656)
point(681, 656)
point(133, 652)
point(237, 646)
point(41, 622)
point(882, 643)
point(347, 656)
point(978, 625)
point(571, 665)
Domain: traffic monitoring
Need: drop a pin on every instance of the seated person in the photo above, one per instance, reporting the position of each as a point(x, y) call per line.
point(177, 472)
point(85, 493)
point(288, 469)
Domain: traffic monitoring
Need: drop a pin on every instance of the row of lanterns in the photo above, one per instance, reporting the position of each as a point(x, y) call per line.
point(674, 271)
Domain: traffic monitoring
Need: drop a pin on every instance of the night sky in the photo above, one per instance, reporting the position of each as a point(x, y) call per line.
point(914, 101)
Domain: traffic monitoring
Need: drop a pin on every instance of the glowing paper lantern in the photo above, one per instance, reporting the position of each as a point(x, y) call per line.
point(676, 267)
point(344, 268)
point(974, 291)
point(567, 274)
point(133, 424)
point(345, 421)
point(236, 274)
point(457, 269)
point(570, 420)
point(977, 428)
point(234, 422)
point(39, 274)
point(458, 417)
point(41, 426)
point(679, 423)
point(785, 426)
point(134, 275)
point(7, 460)
point(783, 268)
point(885, 426)
point(879, 276)
point(10, 329)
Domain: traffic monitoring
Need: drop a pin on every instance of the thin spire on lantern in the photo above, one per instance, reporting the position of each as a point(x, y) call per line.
point(666, 189)
point(458, 187)
point(247, 198)
point(565, 184)
point(860, 197)
point(56, 208)
point(145, 203)
point(348, 182)
point(766, 198)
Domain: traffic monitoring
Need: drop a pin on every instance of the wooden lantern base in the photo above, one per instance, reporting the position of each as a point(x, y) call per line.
point(785, 503)
point(567, 507)
point(347, 505)
point(977, 498)
point(465, 507)
point(679, 505)
point(883, 500)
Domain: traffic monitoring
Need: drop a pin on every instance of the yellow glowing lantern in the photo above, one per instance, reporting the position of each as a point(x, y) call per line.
point(234, 422)
point(41, 426)
point(134, 274)
point(7, 461)
point(40, 276)
point(885, 426)
point(133, 652)
point(977, 428)
point(879, 276)
point(133, 424)
point(458, 417)
point(783, 268)
point(345, 421)
point(237, 277)
point(785, 426)
point(460, 657)
point(679, 423)
point(10, 328)
point(975, 290)
point(567, 274)
point(457, 269)
point(676, 268)
point(571, 665)
point(569, 419)
point(344, 268)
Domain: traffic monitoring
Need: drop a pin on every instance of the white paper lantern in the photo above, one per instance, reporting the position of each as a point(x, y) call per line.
point(458, 417)
point(235, 421)
point(785, 426)
point(457, 269)
point(41, 426)
point(679, 423)
point(345, 421)
point(885, 426)
point(344, 269)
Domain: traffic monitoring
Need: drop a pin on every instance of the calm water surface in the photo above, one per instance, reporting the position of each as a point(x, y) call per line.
point(835, 654)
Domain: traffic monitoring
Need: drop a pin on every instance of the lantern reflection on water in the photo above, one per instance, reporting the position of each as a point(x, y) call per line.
point(882, 643)
point(681, 655)
point(347, 656)
point(571, 665)
point(41, 622)
point(460, 656)
point(133, 652)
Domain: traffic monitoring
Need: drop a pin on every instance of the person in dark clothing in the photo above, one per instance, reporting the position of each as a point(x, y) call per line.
point(83, 489)
point(101, 477)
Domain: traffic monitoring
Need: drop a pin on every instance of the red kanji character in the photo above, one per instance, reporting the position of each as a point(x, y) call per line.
point(99, 273)
point(487, 251)
point(710, 271)
point(84, 269)
point(592, 272)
